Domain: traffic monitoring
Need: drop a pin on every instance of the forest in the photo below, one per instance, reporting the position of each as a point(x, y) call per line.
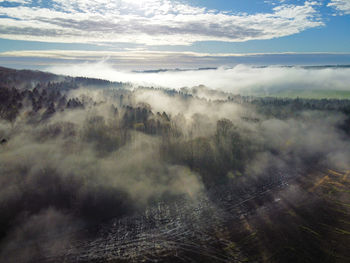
point(97, 171)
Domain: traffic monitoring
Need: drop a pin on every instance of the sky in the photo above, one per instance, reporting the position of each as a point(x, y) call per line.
point(150, 34)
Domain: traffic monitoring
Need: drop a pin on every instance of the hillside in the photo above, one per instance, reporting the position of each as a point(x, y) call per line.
point(97, 171)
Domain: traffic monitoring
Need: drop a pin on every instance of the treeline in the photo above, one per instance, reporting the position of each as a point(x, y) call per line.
point(283, 107)
point(40, 102)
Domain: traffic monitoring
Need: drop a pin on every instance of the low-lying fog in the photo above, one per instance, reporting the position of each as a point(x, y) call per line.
point(65, 168)
point(239, 79)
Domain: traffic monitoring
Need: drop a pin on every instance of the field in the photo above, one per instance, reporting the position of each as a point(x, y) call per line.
point(100, 171)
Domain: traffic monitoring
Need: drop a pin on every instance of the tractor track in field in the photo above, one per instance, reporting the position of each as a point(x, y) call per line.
point(184, 230)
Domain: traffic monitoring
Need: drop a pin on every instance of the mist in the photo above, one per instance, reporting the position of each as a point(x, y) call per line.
point(244, 79)
point(77, 158)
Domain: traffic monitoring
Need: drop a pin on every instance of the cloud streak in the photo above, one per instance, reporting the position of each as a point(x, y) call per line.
point(146, 60)
point(342, 6)
point(149, 22)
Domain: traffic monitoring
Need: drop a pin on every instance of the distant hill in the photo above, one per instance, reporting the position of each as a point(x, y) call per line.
point(21, 78)
point(24, 79)
point(41, 94)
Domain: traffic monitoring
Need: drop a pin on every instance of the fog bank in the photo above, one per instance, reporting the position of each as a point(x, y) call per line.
point(239, 79)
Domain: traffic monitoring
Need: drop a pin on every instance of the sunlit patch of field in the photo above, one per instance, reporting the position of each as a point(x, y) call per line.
point(333, 182)
point(309, 221)
point(334, 189)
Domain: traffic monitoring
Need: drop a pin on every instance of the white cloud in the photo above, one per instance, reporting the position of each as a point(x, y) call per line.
point(152, 60)
point(141, 59)
point(150, 22)
point(16, 1)
point(342, 6)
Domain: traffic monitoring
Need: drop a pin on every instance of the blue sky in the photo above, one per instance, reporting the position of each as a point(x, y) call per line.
point(132, 29)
